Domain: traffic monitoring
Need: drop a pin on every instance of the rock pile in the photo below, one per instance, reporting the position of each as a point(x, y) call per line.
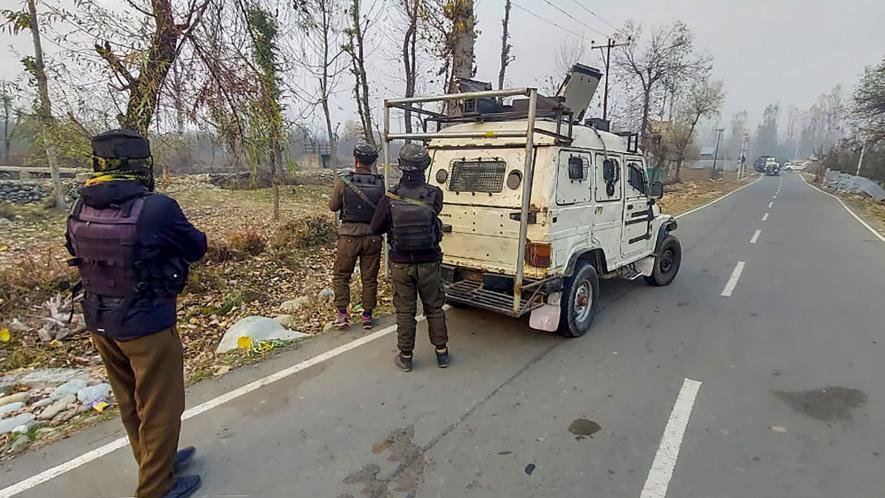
point(18, 192)
point(36, 402)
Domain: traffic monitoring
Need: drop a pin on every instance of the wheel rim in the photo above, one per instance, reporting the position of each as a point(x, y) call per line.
point(667, 259)
point(583, 301)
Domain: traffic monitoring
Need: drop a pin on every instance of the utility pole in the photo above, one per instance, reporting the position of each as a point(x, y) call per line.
point(716, 152)
point(606, 51)
point(743, 167)
point(863, 150)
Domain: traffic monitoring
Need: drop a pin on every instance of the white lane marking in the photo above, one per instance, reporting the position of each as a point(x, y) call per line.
point(116, 444)
point(770, 204)
point(774, 196)
point(856, 217)
point(755, 236)
point(714, 201)
point(733, 279)
point(661, 471)
point(765, 217)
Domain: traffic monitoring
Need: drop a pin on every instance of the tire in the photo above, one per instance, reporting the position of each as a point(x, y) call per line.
point(580, 300)
point(667, 263)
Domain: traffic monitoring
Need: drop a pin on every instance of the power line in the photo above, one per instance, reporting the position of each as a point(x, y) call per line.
point(594, 14)
point(545, 20)
point(573, 18)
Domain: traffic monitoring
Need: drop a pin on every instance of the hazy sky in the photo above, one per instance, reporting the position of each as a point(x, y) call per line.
point(766, 51)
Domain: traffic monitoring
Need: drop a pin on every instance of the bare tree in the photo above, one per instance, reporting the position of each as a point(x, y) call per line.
point(322, 52)
point(412, 10)
point(8, 92)
point(869, 103)
point(703, 99)
point(18, 21)
point(506, 58)
point(664, 56)
point(355, 47)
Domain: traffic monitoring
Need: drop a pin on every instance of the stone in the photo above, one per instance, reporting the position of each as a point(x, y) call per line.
point(23, 429)
point(295, 305)
point(326, 294)
point(259, 329)
point(11, 407)
point(46, 377)
point(43, 402)
point(14, 398)
point(73, 386)
point(21, 442)
point(5, 222)
point(287, 321)
point(59, 406)
point(7, 424)
point(91, 394)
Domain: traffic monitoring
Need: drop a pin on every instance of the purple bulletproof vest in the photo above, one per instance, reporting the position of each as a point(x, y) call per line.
point(104, 242)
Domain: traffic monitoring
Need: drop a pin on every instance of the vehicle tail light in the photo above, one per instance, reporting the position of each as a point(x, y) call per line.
point(537, 254)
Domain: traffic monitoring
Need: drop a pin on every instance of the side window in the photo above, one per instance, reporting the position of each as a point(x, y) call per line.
point(608, 178)
point(637, 185)
point(577, 168)
point(573, 178)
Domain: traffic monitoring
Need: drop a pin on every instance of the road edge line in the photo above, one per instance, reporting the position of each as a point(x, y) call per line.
point(852, 213)
point(96, 453)
point(662, 466)
point(714, 201)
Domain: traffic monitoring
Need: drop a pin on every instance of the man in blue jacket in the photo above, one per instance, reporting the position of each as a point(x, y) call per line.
point(132, 248)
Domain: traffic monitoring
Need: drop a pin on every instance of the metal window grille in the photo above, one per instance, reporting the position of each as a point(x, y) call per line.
point(478, 176)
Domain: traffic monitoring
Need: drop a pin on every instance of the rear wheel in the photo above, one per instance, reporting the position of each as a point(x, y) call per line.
point(666, 263)
point(580, 298)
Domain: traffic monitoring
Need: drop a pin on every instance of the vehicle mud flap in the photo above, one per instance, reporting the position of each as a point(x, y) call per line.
point(646, 266)
point(545, 318)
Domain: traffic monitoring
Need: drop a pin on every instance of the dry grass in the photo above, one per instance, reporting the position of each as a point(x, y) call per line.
point(681, 197)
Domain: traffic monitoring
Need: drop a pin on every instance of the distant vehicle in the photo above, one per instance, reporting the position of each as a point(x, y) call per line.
point(788, 166)
point(760, 162)
point(772, 168)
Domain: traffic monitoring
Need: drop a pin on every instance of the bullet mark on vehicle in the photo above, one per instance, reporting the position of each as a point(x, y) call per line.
point(583, 428)
point(755, 236)
point(829, 404)
point(733, 280)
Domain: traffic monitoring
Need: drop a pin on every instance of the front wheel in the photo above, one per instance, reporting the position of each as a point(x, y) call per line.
point(667, 262)
point(580, 298)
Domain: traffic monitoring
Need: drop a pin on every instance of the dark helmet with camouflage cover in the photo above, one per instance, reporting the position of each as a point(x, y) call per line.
point(413, 157)
point(365, 153)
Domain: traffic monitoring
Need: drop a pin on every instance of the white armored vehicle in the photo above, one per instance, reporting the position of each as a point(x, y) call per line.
point(538, 208)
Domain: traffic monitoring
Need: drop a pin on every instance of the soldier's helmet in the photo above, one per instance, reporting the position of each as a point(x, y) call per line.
point(413, 157)
point(365, 153)
point(123, 151)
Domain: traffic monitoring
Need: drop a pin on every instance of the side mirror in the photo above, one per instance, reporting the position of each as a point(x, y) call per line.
point(657, 190)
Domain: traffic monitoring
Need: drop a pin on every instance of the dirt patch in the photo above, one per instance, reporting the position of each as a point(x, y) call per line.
point(583, 428)
point(685, 196)
point(830, 404)
point(871, 211)
point(408, 475)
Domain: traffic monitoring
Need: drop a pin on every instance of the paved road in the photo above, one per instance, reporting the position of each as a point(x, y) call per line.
point(791, 402)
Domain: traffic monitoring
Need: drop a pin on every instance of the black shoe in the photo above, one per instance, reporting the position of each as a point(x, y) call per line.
point(403, 362)
point(184, 487)
point(442, 358)
point(183, 458)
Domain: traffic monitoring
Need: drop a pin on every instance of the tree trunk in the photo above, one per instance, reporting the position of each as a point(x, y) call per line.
point(361, 89)
point(409, 58)
point(646, 104)
point(144, 90)
point(274, 176)
point(505, 45)
point(44, 110)
point(463, 39)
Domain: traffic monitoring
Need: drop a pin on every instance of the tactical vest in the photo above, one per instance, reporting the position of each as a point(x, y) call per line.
point(106, 249)
point(415, 227)
point(360, 208)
